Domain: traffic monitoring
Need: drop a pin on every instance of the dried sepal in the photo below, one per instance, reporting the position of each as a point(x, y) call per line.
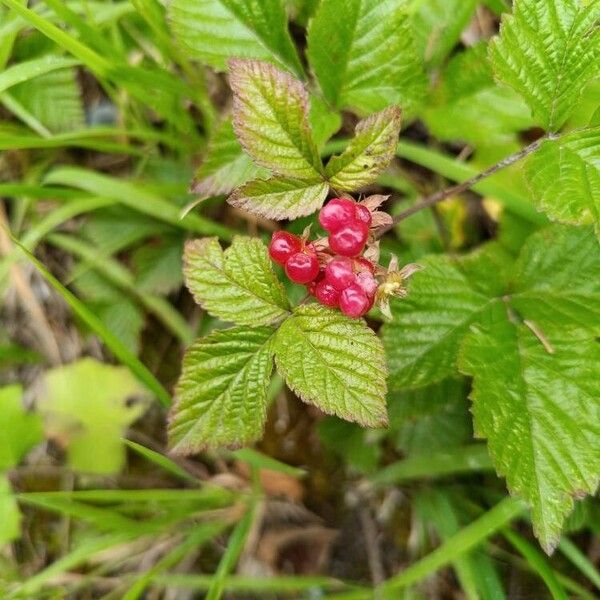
point(394, 284)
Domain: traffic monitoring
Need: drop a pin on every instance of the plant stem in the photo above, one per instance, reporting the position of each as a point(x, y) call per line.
point(465, 185)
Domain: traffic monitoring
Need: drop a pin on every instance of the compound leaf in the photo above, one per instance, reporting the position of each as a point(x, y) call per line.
point(280, 198)
point(221, 396)
point(335, 363)
point(237, 285)
point(363, 55)
point(564, 177)
point(369, 153)
point(215, 30)
point(548, 50)
point(539, 411)
point(270, 118)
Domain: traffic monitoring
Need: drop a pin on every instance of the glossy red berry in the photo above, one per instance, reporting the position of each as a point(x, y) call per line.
point(337, 213)
point(363, 214)
point(302, 267)
point(339, 273)
point(283, 246)
point(350, 239)
point(354, 302)
point(326, 294)
point(311, 286)
point(368, 283)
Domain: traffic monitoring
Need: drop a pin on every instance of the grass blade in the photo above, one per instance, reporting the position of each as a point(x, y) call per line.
point(466, 539)
point(465, 459)
point(164, 462)
point(137, 198)
point(538, 563)
point(580, 560)
point(115, 345)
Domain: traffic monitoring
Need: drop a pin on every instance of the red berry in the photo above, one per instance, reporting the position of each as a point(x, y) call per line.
point(354, 302)
point(339, 273)
point(350, 239)
point(311, 286)
point(302, 267)
point(363, 264)
point(337, 213)
point(327, 294)
point(368, 283)
point(363, 214)
point(284, 245)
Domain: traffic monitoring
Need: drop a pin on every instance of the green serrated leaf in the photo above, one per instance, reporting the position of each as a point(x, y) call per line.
point(237, 285)
point(54, 99)
point(215, 30)
point(430, 418)
point(437, 25)
point(369, 153)
point(86, 406)
point(221, 396)
point(19, 430)
point(557, 279)
point(335, 363)
point(548, 50)
point(539, 412)
point(363, 55)
point(444, 300)
point(225, 165)
point(280, 198)
point(564, 177)
point(468, 105)
point(270, 118)
point(324, 120)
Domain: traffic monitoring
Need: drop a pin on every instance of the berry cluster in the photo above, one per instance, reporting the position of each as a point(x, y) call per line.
point(339, 276)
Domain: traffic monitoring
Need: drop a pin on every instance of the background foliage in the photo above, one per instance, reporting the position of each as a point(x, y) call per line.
point(111, 112)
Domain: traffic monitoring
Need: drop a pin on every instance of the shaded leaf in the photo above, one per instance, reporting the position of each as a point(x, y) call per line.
point(368, 154)
point(468, 105)
point(557, 279)
point(54, 99)
point(437, 25)
point(10, 516)
point(564, 177)
point(19, 429)
point(86, 406)
point(270, 118)
point(444, 299)
point(221, 396)
point(363, 55)
point(539, 412)
point(280, 198)
point(215, 30)
point(335, 363)
point(548, 50)
point(225, 165)
point(237, 285)
point(158, 265)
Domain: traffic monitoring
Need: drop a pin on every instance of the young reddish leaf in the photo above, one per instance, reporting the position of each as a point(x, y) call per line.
point(280, 198)
point(270, 118)
point(369, 153)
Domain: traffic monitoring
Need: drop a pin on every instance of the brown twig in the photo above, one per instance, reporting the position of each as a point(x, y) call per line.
point(465, 185)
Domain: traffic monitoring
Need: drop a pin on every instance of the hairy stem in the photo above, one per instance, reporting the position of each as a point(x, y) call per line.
point(465, 185)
